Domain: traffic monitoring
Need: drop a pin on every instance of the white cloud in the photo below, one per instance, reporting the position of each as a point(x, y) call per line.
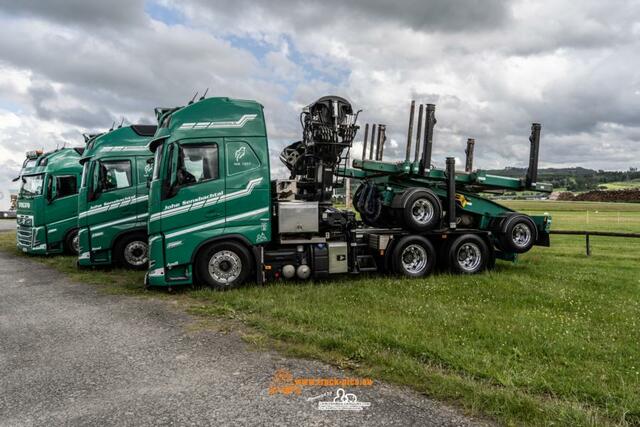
point(492, 68)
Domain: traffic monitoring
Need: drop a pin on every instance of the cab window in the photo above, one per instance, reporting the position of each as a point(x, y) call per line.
point(66, 186)
point(197, 163)
point(115, 174)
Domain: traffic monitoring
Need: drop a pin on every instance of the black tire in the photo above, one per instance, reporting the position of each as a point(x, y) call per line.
point(518, 233)
point(468, 254)
point(71, 243)
point(378, 219)
point(229, 255)
point(132, 251)
point(421, 210)
point(413, 256)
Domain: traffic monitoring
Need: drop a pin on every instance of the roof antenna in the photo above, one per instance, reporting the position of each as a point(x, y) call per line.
point(112, 126)
point(204, 95)
point(193, 99)
point(121, 122)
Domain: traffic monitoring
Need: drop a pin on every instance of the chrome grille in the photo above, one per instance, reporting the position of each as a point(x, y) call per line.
point(24, 235)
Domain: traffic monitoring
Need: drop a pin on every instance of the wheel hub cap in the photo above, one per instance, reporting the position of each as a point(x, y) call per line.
point(422, 211)
point(414, 258)
point(75, 243)
point(521, 235)
point(225, 266)
point(469, 256)
point(136, 253)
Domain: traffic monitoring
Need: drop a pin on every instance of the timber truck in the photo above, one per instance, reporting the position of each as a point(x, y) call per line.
point(216, 217)
point(112, 203)
point(47, 205)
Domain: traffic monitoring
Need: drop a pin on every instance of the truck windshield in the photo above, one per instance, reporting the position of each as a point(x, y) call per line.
point(32, 185)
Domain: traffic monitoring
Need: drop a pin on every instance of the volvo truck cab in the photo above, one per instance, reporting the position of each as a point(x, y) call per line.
point(210, 196)
point(112, 203)
point(47, 205)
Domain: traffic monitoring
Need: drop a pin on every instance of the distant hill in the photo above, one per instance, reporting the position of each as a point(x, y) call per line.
point(518, 172)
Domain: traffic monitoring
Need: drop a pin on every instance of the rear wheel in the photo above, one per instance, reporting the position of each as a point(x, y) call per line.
point(413, 256)
point(132, 251)
point(223, 266)
point(72, 243)
point(468, 254)
point(421, 210)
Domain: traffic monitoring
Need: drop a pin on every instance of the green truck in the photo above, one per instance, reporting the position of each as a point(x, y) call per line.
point(112, 201)
point(217, 218)
point(47, 205)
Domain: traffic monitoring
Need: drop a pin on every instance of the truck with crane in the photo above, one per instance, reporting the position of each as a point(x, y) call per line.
point(47, 204)
point(112, 201)
point(216, 217)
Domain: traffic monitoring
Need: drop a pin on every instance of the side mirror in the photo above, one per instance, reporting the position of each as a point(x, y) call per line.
point(173, 178)
point(96, 185)
point(51, 189)
point(149, 169)
point(171, 183)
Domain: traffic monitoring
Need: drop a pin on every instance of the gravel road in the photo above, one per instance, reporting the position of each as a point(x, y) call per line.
point(74, 356)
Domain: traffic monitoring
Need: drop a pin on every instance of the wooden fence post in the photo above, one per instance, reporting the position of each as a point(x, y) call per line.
point(586, 235)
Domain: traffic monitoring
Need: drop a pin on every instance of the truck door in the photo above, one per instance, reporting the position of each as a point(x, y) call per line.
point(62, 204)
point(113, 203)
point(144, 169)
point(248, 187)
point(193, 206)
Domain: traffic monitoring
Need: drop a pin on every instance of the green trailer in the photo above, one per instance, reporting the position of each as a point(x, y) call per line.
point(47, 205)
point(414, 195)
point(112, 202)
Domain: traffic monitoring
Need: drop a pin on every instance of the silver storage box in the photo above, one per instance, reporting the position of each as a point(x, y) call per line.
point(298, 217)
point(338, 257)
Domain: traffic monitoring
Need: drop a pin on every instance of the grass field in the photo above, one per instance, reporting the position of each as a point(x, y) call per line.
point(552, 339)
point(593, 216)
point(622, 185)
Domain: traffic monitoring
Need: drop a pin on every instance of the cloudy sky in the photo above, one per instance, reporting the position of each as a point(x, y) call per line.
point(492, 67)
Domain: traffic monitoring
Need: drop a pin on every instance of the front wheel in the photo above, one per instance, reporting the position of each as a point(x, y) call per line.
point(132, 252)
point(72, 243)
point(224, 266)
point(413, 256)
point(468, 254)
